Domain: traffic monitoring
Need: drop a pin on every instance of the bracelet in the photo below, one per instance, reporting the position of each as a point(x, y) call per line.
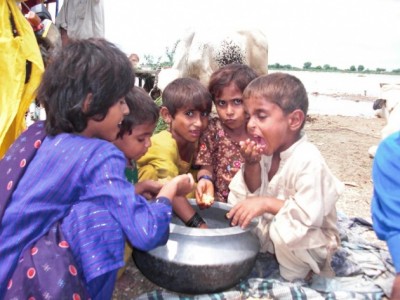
point(206, 177)
point(195, 221)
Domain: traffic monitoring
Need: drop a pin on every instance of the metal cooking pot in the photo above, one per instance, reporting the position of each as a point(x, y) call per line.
point(197, 261)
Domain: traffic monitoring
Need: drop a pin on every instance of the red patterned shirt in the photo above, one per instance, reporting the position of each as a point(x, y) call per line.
point(218, 150)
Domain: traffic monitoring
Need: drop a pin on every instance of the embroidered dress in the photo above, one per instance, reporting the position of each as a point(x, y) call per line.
point(73, 179)
point(219, 151)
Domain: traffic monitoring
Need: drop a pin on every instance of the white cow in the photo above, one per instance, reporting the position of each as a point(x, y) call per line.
point(389, 103)
point(200, 53)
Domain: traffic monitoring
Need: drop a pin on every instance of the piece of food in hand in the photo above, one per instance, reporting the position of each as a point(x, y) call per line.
point(207, 199)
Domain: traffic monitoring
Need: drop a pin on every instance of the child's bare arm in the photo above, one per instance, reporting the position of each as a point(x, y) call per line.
point(245, 211)
point(251, 153)
point(148, 188)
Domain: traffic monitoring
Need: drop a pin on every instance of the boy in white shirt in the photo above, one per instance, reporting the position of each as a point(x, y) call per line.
point(285, 180)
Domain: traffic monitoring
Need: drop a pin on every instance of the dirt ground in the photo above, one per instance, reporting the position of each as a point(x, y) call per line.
point(344, 142)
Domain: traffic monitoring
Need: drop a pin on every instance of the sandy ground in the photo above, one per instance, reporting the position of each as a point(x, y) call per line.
point(344, 142)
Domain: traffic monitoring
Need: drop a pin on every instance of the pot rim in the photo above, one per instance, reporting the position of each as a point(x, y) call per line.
point(184, 230)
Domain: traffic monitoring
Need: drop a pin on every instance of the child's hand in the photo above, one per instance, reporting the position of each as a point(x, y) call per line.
point(243, 212)
point(205, 194)
point(184, 184)
point(180, 185)
point(148, 188)
point(250, 151)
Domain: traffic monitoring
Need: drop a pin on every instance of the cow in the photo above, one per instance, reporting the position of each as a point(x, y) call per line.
point(389, 106)
point(200, 53)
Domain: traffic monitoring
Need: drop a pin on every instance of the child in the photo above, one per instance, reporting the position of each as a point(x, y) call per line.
point(73, 185)
point(134, 140)
point(385, 206)
point(285, 180)
point(219, 151)
point(186, 107)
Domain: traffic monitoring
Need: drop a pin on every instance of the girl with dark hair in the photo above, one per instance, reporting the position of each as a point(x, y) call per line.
point(64, 180)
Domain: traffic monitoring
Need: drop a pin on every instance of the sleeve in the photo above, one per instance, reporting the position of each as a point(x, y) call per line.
point(160, 161)
point(146, 225)
point(385, 206)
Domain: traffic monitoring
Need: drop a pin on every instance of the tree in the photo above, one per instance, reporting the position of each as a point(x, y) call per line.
point(327, 67)
point(360, 68)
point(307, 65)
point(352, 68)
point(170, 53)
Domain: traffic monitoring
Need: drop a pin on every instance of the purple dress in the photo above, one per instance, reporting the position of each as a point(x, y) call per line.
point(79, 183)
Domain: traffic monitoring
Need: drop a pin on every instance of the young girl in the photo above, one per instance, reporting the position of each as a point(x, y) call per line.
point(76, 174)
point(186, 107)
point(219, 151)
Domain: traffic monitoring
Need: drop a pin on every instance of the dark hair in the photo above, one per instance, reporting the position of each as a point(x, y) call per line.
point(285, 90)
point(238, 74)
point(91, 66)
point(185, 92)
point(143, 110)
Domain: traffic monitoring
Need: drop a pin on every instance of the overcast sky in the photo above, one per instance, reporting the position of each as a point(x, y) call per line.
point(340, 33)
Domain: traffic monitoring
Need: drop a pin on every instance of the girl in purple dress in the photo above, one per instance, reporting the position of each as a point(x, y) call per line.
point(63, 180)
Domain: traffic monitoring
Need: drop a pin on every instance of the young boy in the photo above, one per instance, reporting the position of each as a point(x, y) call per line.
point(134, 138)
point(285, 180)
point(186, 107)
point(219, 152)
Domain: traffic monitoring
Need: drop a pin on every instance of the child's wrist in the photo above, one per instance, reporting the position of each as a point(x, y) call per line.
point(206, 177)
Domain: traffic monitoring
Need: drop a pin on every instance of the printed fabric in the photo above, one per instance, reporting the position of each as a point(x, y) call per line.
point(217, 149)
point(46, 269)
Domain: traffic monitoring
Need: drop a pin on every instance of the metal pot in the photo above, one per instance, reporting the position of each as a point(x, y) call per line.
point(197, 261)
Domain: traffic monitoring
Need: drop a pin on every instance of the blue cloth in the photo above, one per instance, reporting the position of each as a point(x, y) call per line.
point(386, 195)
point(69, 169)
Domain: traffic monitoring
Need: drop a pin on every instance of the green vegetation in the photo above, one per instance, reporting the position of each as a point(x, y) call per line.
point(154, 63)
point(307, 66)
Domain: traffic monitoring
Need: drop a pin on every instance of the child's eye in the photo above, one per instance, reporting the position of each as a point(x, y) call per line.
point(205, 114)
point(221, 102)
point(237, 101)
point(122, 101)
point(190, 113)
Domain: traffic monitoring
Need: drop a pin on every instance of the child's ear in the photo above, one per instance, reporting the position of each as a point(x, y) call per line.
point(296, 119)
point(165, 115)
point(87, 102)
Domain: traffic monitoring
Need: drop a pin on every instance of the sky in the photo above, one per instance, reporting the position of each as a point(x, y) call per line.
point(340, 33)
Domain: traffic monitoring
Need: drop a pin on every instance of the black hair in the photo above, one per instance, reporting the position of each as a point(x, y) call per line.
point(142, 110)
point(238, 74)
point(285, 90)
point(186, 92)
point(92, 66)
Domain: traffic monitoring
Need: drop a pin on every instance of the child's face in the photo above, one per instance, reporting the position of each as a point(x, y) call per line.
point(108, 128)
point(187, 124)
point(135, 145)
point(229, 106)
point(268, 125)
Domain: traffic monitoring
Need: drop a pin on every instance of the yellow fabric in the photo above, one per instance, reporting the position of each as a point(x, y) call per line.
point(162, 160)
point(15, 95)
